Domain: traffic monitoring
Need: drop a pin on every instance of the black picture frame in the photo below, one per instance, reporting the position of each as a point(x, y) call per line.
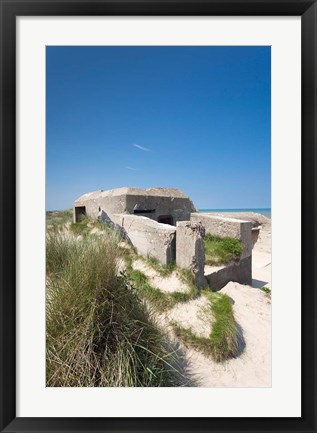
point(10, 9)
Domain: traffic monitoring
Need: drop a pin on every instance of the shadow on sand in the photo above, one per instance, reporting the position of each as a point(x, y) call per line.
point(241, 340)
point(180, 365)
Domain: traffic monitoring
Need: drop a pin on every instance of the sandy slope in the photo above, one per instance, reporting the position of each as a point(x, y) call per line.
point(252, 309)
point(170, 283)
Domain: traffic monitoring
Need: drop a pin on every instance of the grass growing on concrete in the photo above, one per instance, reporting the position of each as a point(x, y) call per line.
point(220, 250)
point(98, 331)
point(222, 343)
point(160, 300)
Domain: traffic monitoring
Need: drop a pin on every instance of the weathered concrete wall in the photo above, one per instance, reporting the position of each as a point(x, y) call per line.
point(230, 227)
point(179, 208)
point(97, 201)
point(155, 202)
point(190, 249)
point(240, 272)
point(150, 237)
point(115, 222)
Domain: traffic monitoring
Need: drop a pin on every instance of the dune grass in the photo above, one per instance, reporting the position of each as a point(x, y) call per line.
point(58, 219)
point(160, 300)
point(98, 330)
point(222, 343)
point(86, 225)
point(224, 334)
point(185, 275)
point(220, 250)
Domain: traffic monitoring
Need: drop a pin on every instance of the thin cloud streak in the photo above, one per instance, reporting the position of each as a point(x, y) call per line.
point(141, 147)
point(131, 168)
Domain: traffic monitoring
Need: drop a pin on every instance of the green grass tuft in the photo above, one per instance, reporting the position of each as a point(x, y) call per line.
point(86, 225)
point(221, 250)
point(222, 343)
point(191, 339)
point(184, 296)
point(224, 334)
point(266, 290)
point(160, 300)
point(163, 270)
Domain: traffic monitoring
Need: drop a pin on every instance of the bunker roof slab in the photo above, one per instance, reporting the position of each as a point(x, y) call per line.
point(150, 192)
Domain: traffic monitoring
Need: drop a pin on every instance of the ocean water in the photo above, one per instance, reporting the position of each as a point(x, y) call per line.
point(264, 211)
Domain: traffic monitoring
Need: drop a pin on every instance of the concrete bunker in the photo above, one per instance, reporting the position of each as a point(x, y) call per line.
point(79, 213)
point(143, 211)
point(166, 219)
point(152, 203)
point(163, 223)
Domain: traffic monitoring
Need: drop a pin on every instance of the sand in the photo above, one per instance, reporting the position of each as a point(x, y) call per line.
point(195, 314)
point(252, 368)
point(252, 310)
point(167, 284)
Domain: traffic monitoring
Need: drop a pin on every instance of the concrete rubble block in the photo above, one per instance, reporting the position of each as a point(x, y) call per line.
point(151, 238)
point(190, 249)
point(117, 218)
point(240, 272)
point(115, 223)
point(227, 227)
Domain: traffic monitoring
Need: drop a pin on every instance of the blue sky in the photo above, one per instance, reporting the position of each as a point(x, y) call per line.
point(194, 118)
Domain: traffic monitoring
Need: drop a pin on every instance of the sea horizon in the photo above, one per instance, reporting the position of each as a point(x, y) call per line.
point(266, 211)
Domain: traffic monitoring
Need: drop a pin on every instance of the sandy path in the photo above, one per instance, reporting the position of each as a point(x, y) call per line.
point(252, 309)
point(195, 314)
point(170, 283)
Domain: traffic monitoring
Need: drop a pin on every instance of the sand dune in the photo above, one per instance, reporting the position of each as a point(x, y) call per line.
point(252, 310)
